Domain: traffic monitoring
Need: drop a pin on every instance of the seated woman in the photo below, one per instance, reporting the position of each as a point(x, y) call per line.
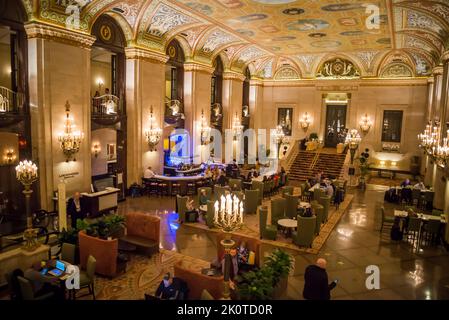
point(191, 213)
point(203, 198)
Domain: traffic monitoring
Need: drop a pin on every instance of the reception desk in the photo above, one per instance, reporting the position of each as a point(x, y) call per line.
point(101, 202)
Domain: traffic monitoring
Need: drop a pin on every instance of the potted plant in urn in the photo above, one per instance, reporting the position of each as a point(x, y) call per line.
point(364, 166)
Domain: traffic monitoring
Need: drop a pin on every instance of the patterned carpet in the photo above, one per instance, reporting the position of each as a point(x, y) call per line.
point(251, 228)
point(143, 275)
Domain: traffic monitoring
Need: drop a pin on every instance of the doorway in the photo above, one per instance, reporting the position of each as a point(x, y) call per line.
point(335, 125)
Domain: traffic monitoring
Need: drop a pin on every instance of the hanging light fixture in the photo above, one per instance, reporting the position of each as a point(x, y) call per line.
point(204, 129)
point(441, 153)
point(153, 133)
point(305, 121)
point(237, 127)
point(428, 140)
point(365, 123)
point(70, 140)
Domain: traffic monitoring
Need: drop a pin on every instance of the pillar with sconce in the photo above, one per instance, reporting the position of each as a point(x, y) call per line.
point(352, 140)
point(26, 174)
point(365, 124)
point(305, 122)
point(70, 140)
point(153, 133)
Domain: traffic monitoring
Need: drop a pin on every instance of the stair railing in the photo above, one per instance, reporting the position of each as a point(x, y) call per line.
point(315, 159)
point(291, 155)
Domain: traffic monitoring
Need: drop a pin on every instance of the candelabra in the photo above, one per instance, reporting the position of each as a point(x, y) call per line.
point(428, 140)
point(204, 129)
point(237, 127)
point(365, 123)
point(353, 140)
point(305, 121)
point(153, 133)
point(228, 217)
point(26, 173)
point(279, 136)
point(70, 140)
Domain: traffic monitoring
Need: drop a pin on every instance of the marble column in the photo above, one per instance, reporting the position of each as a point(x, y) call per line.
point(232, 105)
point(145, 88)
point(437, 93)
point(59, 71)
point(197, 88)
point(256, 103)
point(426, 159)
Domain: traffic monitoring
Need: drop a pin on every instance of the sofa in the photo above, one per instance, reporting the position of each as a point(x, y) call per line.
point(142, 231)
point(197, 282)
point(104, 251)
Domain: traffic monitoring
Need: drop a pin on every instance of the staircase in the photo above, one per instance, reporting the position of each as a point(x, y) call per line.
point(307, 164)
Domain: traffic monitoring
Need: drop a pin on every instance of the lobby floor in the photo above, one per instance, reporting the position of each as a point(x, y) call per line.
point(405, 271)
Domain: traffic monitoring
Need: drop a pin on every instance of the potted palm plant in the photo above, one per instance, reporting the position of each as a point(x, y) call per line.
point(364, 166)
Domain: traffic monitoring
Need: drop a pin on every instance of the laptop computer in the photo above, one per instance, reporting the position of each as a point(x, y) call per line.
point(59, 270)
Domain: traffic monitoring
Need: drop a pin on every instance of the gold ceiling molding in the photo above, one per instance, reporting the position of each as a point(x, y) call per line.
point(66, 36)
point(231, 75)
point(445, 56)
point(197, 67)
point(146, 55)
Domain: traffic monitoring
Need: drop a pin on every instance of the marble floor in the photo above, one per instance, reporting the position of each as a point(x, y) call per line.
point(355, 243)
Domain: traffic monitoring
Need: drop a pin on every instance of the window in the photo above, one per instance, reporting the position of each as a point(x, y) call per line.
point(392, 126)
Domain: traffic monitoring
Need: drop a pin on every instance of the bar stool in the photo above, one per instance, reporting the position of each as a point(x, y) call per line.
point(175, 188)
point(191, 188)
point(163, 188)
point(153, 188)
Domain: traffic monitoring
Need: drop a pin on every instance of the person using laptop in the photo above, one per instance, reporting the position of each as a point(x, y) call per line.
point(42, 283)
point(170, 288)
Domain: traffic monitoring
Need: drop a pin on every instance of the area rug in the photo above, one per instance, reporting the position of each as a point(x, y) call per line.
point(143, 275)
point(251, 228)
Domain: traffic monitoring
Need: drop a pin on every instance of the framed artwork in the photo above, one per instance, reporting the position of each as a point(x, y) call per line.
point(111, 151)
point(285, 120)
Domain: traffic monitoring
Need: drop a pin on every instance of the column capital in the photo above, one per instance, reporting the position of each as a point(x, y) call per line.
point(49, 32)
point(232, 75)
point(256, 82)
point(198, 67)
point(146, 55)
point(438, 70)
point(445, 57)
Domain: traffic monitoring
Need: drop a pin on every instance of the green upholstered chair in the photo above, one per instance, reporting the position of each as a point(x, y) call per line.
point(287, 190)
point(251, 201)
point(235, 184)
point(208, 193)
point(277, 210)
point(68, 252)
point(316, 207)
point(258, 185)
point(386, 220)
point(317, 194)
point(210, 213)
point(87, 278)
point(319, 214)
point(219, 191)
point(305, 234)
point(181, 203)
point(325, 201)
point(26, 290)
point(266, 231)
point(291, 206)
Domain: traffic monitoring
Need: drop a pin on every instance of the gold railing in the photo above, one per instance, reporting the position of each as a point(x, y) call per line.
point(10, 101)
point(107, 105)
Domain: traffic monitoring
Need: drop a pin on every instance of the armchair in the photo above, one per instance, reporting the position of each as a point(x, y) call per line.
point(251, 201)
point(325, 201)
point(306, 231)
point(266, 231)
point(258, 185)
point(277, 210)
point(291, 206)
point(142, 230)
point(181, 205)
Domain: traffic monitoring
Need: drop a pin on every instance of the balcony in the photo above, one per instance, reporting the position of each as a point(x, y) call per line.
point(106, 109)
point(11, 107)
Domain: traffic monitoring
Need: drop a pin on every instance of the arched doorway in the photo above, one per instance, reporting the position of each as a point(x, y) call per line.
point(108, 107)
point(15, 123)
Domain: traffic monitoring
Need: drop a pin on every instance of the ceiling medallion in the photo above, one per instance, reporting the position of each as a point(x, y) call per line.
point(338, 69)
point(293, 11)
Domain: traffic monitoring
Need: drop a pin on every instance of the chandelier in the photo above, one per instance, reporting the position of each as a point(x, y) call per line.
point(228, 213)
point(279, 135)
point(153, 133)
point(305, 121)
point(365, 123)
point(70, 140)
point(237, 127)
point(204, 129)
point(428, 140)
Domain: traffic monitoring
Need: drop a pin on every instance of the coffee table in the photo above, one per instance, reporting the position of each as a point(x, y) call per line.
point(288, 225)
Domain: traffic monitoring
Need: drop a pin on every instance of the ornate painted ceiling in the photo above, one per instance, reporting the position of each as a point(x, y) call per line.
point(280, 39)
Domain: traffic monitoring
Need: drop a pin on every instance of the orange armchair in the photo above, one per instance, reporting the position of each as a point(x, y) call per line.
point(142, 230)
point(104, 251)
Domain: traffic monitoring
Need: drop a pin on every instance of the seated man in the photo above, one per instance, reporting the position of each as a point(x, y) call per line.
point(43, 284)
point(148, 174)
point(171, 288)
point(191, 211)
point(203, 198)
point(420, 186)
point(405, 183)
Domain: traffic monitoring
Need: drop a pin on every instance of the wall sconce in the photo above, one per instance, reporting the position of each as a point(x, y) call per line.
point(100, 84)
point(382, 163)
point(96, 149)
point(10, 156)
point(394, 163)
point(204, 129)
point(305, 121)
point(153, 133)
point(70, 140)
point(365, 123)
